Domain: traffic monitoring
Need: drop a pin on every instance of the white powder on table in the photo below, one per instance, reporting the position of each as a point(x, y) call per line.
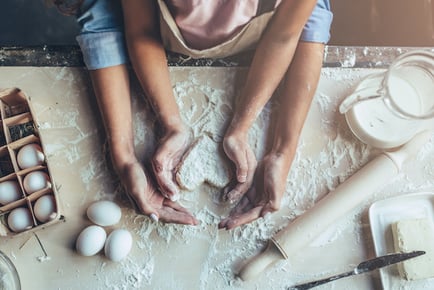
point(204, 162)
point(212, 256)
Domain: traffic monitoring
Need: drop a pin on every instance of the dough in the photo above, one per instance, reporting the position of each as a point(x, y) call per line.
point(205, 162)
point(414, 235)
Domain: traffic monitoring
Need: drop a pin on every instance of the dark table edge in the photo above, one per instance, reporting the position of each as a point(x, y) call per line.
point(70, 56)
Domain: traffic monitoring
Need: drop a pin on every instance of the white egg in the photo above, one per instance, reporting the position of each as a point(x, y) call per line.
point(30, 155)
point(20, 219)
point(104, 213)
point(118, 245)
point(35, 181)
point(91, 240)
point(9, 191)
point(45, 208)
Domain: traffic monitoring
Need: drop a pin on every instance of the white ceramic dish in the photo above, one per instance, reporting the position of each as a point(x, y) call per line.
point(382, 214)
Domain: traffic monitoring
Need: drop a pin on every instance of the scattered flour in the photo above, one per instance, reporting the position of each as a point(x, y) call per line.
point(213, 256)
point(205, 162)
point(44, 258)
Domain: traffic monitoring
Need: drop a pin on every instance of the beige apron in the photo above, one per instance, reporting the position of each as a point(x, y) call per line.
point(242, 41)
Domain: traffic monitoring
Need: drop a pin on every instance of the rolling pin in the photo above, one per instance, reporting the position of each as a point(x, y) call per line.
point(334, 205)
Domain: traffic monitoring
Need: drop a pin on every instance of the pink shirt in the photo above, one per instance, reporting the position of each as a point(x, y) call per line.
point(206, 23)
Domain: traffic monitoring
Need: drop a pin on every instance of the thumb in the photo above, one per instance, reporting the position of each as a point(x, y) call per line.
point(144, 208)
point(238, 156)
point(242, 167)
point(274, 201)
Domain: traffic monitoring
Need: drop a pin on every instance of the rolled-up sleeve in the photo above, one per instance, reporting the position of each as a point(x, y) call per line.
point(317, 28)
point(101, 38)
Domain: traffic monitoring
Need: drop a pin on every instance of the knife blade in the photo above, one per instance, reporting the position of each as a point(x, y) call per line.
point(363, 267)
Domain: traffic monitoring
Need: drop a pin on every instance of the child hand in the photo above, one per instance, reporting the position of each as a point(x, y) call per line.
point(238, 150)
point(265, 194)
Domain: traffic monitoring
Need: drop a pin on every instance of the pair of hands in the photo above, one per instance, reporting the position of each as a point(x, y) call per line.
point(159, 203)
point(257, 188)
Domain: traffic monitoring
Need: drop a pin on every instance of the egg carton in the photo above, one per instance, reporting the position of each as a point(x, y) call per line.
point(19, 128)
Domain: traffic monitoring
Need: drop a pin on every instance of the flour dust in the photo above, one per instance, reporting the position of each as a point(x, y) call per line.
point(204, 257)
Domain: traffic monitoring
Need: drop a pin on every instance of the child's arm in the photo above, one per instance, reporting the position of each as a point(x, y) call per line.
point(293, 103)
point(279, 58)
point(141, 19)
point(272, 59)
point(148, 57)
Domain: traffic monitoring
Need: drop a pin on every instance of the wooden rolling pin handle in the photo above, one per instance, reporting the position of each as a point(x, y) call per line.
point(259, 263)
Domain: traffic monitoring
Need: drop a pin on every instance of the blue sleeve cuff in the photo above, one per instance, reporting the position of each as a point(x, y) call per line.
point(103, 49)
point(317, 28)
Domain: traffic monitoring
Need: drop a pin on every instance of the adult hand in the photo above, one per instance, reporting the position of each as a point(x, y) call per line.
point(265, 194)
point(149, 201)
point(166, 159)
point(238, 150)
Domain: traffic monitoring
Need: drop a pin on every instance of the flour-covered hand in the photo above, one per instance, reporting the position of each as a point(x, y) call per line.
point(265, 194)
point(149, 201)
point(238, 150)
point(166, 159)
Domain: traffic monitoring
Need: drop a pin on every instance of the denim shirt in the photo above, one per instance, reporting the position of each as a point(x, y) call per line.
point(102, 41)
point(101, 36)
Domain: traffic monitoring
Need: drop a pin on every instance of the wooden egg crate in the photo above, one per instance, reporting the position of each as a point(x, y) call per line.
point(19, 128)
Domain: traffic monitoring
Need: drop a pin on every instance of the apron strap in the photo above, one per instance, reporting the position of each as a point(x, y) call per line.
point(265, 6)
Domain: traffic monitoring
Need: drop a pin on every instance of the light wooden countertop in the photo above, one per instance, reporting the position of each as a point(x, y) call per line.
point(202, 257)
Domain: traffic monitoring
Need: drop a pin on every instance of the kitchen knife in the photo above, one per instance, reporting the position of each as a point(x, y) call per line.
point(363, 267)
